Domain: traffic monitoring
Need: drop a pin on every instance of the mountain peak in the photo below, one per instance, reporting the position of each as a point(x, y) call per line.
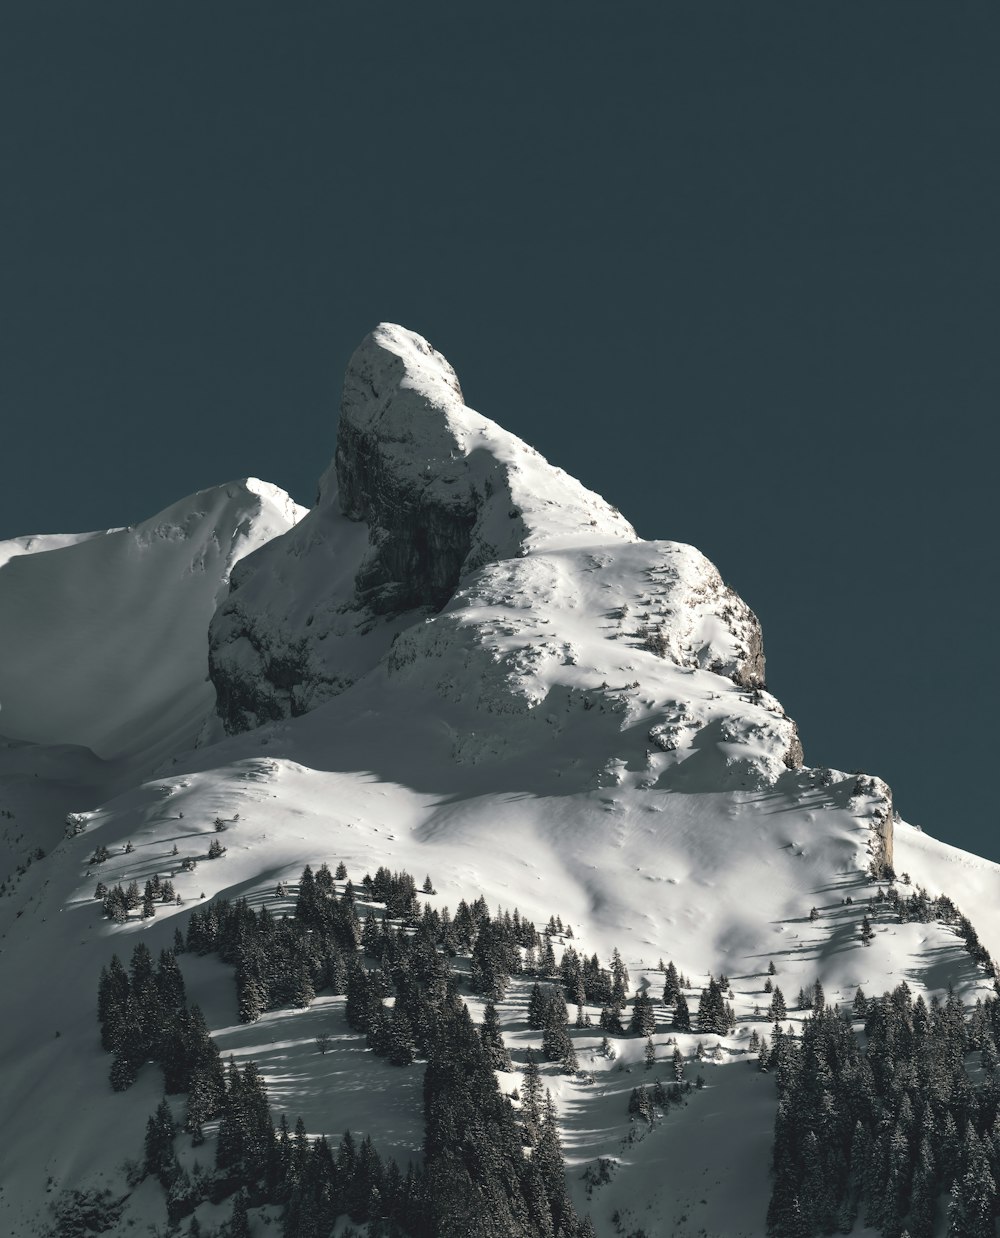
point(422, 492)
point(443, 488)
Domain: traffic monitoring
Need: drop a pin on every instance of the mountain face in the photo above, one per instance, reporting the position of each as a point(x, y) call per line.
point(462, 663)
point(424, 496)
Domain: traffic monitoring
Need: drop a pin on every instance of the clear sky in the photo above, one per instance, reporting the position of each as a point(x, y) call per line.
point(736, 266)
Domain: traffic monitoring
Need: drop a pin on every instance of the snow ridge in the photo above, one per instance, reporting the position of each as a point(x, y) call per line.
point(110, 627)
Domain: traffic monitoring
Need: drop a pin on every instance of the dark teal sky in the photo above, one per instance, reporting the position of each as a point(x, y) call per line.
point(735, 266)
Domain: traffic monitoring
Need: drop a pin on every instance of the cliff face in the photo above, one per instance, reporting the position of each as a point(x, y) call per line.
point(401, 466)
point(873, 797)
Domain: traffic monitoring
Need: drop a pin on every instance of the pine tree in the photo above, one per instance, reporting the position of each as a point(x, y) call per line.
point(251, 996)
point(777, 1009)
point(712, 1016)
point(649, 1054)
point(358, 998)
point(671, 985)
point(302, 991)
point(239, 1222)
point(619, 978)
point(400, 1037)
point(123, 1072)
point(610, 1022)
point(112, 999)
point(492, 1039)
point(549, 1160)
point(682, 1016)
point(531, 1098)
point(536, 1008)
point(159, 1145)
point(643, 1021)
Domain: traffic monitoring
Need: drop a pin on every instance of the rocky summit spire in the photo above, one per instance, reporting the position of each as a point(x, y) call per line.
point(442, 489)
point(422, 492)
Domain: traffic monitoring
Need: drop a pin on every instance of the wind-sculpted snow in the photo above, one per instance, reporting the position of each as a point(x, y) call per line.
point(104, 634)
point(541, 646)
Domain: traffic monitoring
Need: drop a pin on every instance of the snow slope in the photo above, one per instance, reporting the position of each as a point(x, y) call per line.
point(109, 628)
point(579, 728)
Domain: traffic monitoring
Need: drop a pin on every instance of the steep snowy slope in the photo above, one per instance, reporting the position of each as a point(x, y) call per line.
point(109, 628)
point(468, 666)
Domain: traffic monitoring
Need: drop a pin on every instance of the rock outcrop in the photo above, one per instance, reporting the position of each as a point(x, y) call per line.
point(872, 797)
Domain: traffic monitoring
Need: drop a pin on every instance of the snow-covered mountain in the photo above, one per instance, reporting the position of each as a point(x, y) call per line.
point(105, 632)
point(459, 662)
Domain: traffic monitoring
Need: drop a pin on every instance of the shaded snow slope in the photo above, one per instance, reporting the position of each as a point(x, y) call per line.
point(105, 634)
point(38, 543)
point(421, 493)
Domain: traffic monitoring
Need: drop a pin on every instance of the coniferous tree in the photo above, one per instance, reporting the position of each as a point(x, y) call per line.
point(643, 1021)
point(549, 1160)
point(536, 1008)
point(492, 1039)
point(609, 1021)
point(712, 1016)
point(239, 1222)
point(671, 985)
point(682, 1017)
point(400, 1038)
point(160, 1160)
point(619, 979)
point(531, 1098)
point(777, 1009)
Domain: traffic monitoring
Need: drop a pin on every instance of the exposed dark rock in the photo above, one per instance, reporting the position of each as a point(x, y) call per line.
point(750, 671)
point(881, 815)
point(419, 542)
point(794, 757)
